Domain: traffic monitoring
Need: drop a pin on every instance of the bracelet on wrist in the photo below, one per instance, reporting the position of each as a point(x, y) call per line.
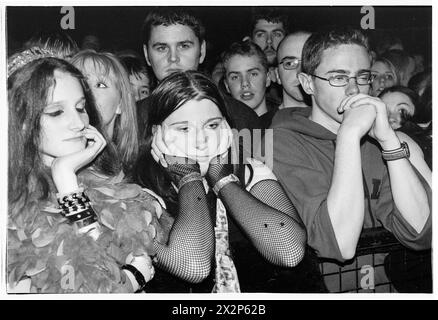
point(194, 176)
point(76, 207)
point(395, 154)
point(137, 275)
point(223, 182)
point(74, 199)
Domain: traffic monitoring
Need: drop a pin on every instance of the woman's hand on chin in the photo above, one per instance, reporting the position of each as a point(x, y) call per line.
point(64, 168)
point(175, 162)
point(225, 139)
point(221, 156)
point(221, 165)
point(165, 152)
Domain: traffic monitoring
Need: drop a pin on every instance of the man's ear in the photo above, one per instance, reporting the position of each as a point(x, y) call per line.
point(306, 82)
point(246, 38)
point(277, 76)
point(145, 52)
point(154, 129)
point(203, 52)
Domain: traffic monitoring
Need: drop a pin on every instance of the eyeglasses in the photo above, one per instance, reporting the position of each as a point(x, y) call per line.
point(290, 63)
point(341, 80)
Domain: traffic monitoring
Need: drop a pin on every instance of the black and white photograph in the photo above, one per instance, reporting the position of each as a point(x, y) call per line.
point(218, 149)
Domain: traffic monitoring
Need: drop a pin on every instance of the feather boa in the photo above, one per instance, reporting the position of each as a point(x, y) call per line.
point(45, 250)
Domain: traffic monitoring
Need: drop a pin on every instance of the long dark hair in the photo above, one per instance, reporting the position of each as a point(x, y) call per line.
point(29, 88)
point(171, 94)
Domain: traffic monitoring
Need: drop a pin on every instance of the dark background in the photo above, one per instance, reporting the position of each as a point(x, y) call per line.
point(119, 28)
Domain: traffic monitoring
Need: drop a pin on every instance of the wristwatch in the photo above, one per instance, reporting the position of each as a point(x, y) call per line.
point(224, 181)
point(395, 154)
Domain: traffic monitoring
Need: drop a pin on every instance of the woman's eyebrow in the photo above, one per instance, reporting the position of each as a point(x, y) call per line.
point(179, 122)
point(214, 118)
point(186, 122)
point(59, 103)
point(62, 103)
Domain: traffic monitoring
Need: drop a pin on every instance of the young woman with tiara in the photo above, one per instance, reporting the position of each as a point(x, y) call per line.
point(74, 225)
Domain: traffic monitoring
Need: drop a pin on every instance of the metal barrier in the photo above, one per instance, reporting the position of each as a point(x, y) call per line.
point(381, 265)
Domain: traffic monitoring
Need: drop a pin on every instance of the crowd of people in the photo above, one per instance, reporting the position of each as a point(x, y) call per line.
point(132, 173)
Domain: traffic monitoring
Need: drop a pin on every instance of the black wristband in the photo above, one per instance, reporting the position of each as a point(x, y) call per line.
point(395, 154)
point(138, 276)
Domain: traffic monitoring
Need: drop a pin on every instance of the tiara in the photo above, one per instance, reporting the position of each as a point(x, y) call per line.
point(21, 59)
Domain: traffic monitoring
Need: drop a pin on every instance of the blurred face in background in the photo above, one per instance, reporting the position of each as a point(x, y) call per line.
point(408, 72)
point(140, 85)
point(384, 77)
point(267, 35)
point(289, 59)
point(106, 93)
point(399, 107)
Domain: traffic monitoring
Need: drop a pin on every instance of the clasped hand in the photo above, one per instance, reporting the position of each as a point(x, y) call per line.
point(366, 115)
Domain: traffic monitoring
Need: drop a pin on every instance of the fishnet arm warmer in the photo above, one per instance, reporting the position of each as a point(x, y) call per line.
point(269, 219)
point(189, 252)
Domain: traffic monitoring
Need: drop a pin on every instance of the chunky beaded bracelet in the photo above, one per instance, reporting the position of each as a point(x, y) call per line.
point(74, 201)
point(76, 208)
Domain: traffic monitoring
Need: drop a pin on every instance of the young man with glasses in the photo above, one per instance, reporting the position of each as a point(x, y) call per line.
point(289, 65)
point(342, 164)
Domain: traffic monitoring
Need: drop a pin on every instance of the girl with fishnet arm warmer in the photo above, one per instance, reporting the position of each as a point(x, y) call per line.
point(190, 141)
point(189, 250)
point(264, 212)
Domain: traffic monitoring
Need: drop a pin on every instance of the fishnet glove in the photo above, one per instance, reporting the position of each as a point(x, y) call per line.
point(174, 162)
point(220, 167)
point(189, 252)
point(179, 167)
point(269, 219)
